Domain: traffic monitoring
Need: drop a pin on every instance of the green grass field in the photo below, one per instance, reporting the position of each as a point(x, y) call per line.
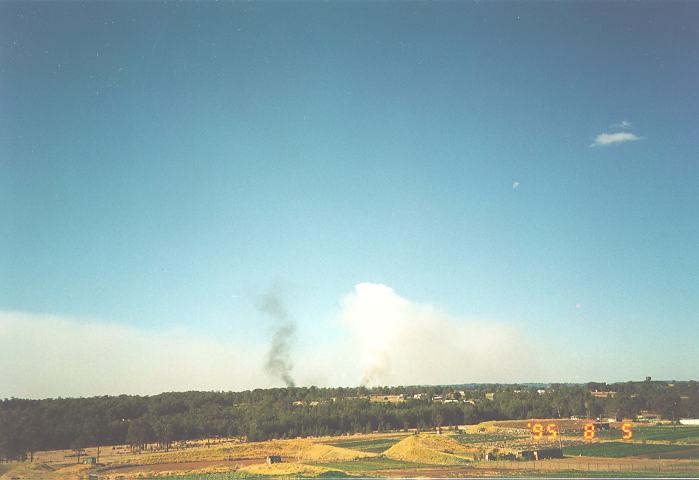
point(372, 446)
point(372, 463)
point(623, 449)
point(674, 433)
point(615, 474)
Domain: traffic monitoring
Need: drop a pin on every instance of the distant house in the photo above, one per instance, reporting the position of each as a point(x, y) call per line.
point(646, 416)
point(541, 391)
point(90, 461)
point(274, 459)
point(603, 394)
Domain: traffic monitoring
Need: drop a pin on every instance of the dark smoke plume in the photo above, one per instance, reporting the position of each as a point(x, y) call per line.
point(279, 355)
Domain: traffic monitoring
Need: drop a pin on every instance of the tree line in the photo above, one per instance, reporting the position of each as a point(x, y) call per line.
point(28, 426)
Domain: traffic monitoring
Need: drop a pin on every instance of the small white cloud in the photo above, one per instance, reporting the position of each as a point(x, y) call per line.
point(515, 185)
point(624, 124)
point(604, 139)
point(578, 305)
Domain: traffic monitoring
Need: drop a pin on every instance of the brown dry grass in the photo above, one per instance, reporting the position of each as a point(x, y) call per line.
point(164, 473)
point(297, 449)
point(111, 453)
point(42, 471)
point(294, 469)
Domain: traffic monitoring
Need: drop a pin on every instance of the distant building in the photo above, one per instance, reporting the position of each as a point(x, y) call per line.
point(541, 391)
point(646, 416)
point(603, 394)
point(490, 396)
point(689, 421)
point(90, 461)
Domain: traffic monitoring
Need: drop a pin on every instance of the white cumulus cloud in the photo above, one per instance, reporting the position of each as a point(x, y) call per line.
point(604, 139)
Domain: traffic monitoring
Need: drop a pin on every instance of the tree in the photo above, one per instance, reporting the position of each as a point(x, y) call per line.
point(29, 425)
point(12, 442)
point(140, 432)
point(162, 429)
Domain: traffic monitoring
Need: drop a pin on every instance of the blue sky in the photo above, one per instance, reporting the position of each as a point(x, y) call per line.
point(162, 164)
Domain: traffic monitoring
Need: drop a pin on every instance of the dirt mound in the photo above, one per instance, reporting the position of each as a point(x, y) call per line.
point(329, 453)
point(431, 449)
point(483, 427)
